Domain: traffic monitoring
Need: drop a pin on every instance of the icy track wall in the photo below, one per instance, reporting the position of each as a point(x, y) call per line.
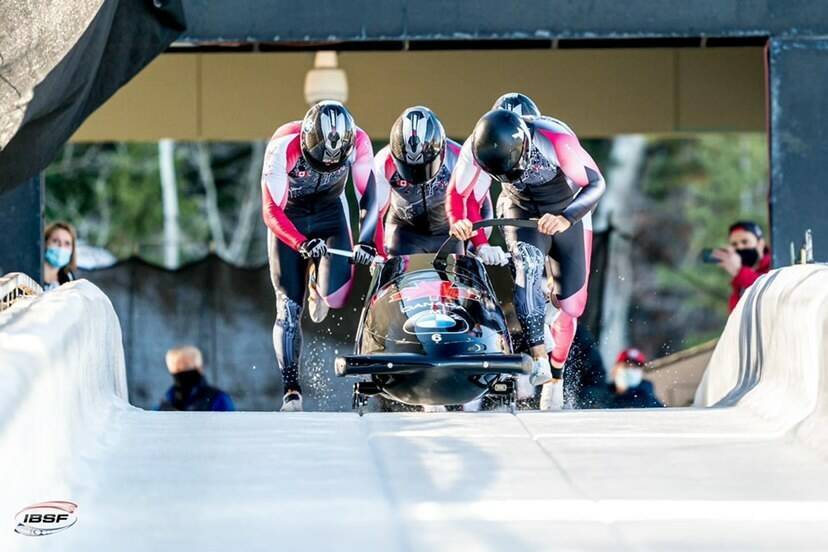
point(772, 357)
point(62, 372)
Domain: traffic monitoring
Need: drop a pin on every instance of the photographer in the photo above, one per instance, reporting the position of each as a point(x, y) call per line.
point(747, 258)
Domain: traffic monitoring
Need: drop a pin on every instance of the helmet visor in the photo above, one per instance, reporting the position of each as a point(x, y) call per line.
point(418, 173)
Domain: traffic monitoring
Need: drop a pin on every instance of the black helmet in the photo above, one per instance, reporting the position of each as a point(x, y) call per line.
point(418, 144)
point(328, 136)
point(501, 143)
point(519, 103)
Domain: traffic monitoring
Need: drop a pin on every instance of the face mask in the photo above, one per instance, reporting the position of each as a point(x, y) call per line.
point(634, 377)
point(749, 256)
point(628, 378)
point(188, 378)
point(58, 257)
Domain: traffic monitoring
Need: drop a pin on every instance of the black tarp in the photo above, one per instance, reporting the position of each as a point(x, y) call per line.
point(228, 312)
point(59, 61)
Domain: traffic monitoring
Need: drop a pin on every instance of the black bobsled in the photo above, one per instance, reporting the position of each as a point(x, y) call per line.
point(432, 332)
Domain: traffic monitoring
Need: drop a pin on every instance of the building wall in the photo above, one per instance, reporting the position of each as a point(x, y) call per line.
point(600, 92)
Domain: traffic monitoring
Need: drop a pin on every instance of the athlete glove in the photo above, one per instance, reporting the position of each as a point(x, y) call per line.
point(492, 255)
point(364, 253)
point(313, 248)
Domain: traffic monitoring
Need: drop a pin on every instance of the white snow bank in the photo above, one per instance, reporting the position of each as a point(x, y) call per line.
point(772, 357)
point(62, 373)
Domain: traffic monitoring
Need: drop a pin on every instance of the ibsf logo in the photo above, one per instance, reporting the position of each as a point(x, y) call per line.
point(46, 518)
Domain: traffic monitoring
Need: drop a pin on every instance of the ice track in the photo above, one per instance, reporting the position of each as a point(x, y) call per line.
point(750, 472)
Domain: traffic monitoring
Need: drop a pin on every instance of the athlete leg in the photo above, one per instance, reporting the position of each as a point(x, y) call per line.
point(528, 248)
point(572, 249)
point(287, 273)
point(335, 274)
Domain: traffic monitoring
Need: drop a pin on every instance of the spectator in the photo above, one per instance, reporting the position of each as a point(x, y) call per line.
point(747, 258)
point(191, 391)
point(60, 258)
point(629, 389)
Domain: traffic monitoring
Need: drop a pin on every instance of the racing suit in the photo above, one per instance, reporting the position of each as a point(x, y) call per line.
point(300, 203)
point(416, 221)
point(561, 179)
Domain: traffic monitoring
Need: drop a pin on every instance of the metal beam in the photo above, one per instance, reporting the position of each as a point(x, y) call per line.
point(799, 146)
point(388, 20)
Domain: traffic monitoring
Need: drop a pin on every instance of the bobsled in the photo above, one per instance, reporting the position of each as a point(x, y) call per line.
point(432, 332)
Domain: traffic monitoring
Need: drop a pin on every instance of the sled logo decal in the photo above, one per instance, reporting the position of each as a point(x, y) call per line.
point(434, 323)
point(46, 518)
point(435, 290)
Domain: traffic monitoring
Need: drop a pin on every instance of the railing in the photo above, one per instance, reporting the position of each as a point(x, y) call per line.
point(14, 286)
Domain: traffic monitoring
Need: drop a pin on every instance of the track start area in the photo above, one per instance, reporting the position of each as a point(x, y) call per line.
point(746, 469)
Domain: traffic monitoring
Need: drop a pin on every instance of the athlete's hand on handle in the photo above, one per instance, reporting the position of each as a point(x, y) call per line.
point(462, 229)
point(313, 249)
point(553, 224)
point(364, 253)
point(492, 255)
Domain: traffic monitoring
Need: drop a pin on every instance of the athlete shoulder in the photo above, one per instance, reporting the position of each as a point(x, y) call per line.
point(465, 155)
point(452, 147)
point(360, 135)
point(452, 153)
point(292, 128)
point(548, 124)
point(383, 163)
point(362, 146)
point(383, 153)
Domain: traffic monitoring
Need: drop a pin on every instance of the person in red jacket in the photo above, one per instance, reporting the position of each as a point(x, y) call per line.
point(747, 258)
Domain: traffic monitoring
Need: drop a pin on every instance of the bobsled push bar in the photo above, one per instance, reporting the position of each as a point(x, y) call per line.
point(448, 245)
point(404, 363)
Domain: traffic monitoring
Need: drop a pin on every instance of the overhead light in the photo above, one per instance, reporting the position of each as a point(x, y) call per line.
point(326, 81)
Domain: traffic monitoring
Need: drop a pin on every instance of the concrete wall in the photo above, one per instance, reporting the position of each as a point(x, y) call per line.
point(600, 92)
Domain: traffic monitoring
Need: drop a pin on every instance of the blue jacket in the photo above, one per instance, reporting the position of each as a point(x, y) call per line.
point(200, 397)
point(642, 396)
